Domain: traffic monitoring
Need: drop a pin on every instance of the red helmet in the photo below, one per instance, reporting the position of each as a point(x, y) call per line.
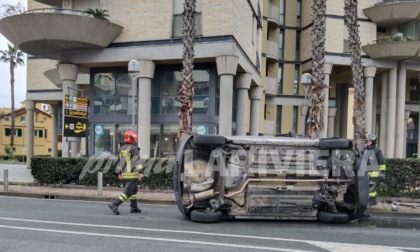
point(130, 137)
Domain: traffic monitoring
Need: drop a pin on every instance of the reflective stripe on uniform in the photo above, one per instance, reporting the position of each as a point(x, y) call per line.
point(139, 167)
point(372, 194)
point(373, 174)
point(122, 197)
point(382, 167)
point(130, 175)
point(132, 197)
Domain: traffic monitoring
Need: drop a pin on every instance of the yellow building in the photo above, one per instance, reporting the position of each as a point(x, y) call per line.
point(42, 131)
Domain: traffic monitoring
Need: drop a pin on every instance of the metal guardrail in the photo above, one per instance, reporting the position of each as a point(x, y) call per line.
point(56, 10)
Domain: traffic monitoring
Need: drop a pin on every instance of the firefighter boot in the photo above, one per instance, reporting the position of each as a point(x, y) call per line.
point(114, 206)
point(134, 207)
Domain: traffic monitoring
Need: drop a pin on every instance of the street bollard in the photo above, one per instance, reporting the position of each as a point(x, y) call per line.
point(6, 180)
point(100, 180)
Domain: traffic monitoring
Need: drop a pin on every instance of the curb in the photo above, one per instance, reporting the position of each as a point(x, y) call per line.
point(82, 198)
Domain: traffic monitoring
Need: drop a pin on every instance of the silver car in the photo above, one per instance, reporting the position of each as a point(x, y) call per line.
point(223, 178)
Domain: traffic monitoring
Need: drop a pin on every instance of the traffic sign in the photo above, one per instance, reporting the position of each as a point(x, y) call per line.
point(75, 127)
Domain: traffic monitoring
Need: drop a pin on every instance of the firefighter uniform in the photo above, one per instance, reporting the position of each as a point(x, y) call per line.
point(374, 175)
point(129, 169)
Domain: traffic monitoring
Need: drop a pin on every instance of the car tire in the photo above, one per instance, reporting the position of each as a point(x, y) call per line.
point(212, 140)
point(206, 217)
point(338, 218)
point(335, 143)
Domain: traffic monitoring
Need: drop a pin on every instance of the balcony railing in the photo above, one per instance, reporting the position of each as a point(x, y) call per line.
point(273, 51)
point(393, 12)
point(274, 14)
point(395, 1)
point(62, 11)
point(271, 86)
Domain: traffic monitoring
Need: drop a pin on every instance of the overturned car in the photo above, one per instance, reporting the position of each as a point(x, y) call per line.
point(223, 178)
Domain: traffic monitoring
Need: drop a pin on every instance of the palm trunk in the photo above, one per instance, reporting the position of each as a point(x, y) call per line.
point(186, 93)
point(350, 18)
point(12, 92)
point(317, 96)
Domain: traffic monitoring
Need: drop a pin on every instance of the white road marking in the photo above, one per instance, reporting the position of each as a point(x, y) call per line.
point(154, 239)
point(332, 245)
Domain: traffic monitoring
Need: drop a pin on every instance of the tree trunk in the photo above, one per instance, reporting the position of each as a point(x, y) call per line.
point(186, 93)
point(350, 19)
point(317, 96)
point(12, 93)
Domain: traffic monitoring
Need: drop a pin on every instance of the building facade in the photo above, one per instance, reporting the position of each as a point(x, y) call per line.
point(41, 133)
point(249, 56)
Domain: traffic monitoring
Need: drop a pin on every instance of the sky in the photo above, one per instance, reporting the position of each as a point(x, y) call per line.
point(20, 73)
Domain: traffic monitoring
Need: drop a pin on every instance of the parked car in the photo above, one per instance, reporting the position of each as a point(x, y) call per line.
point(218, 178)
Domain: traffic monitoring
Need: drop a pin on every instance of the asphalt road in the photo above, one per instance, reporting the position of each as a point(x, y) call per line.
point(57, 225)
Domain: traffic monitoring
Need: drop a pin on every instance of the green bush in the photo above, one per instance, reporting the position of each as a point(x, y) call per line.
point(402, 179)
point(83, 171)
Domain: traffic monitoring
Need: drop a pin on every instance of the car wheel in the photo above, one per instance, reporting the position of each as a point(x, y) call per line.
point(213, 140)
point(333, 217)
point(206, 217)
point(334, 143)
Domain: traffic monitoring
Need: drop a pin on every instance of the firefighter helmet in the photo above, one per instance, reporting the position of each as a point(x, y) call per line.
point(372, 137)
point(130, 137)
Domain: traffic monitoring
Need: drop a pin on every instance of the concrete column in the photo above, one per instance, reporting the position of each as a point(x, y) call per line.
point(242, 84)
point(392, 103)
point(384, 113)
point(226, 69)
point(369, 73)
point(418, 130)
point(331, 121)
point(327, 71)
point(406, 116)
point(54, 135)
point(144, 96)
point(68, 75)
point(399, 131)
point(255, 95)
point(30, 106)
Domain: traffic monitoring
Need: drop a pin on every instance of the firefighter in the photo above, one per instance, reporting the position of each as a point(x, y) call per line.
point(374, 175)
point(128, 170)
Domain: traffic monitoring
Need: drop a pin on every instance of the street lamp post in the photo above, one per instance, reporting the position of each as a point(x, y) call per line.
point(133, 71)
point(23, 124)
point(306, 81)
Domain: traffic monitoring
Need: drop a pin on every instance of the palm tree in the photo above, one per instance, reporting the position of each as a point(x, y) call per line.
point(98, 13)
point(317, 96)
point(186, 92)
point(350, 19)
point(14, 57)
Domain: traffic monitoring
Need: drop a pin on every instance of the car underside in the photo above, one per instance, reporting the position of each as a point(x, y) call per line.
point(223, 178)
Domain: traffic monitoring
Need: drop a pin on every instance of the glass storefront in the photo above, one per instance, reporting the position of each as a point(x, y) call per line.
point(113, 94)
point(111, 108)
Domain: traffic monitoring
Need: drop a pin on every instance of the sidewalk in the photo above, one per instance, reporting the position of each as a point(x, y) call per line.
point(22, 184)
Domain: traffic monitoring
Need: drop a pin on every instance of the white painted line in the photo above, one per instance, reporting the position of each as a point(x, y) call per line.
point(154, 239)
point(384, 248)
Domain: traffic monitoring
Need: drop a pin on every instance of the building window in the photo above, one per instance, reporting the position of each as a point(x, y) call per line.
point(282, 11)
point(165, 92)
point(281, 43)
point(19, 132)
point(346, 41)
point(7, 131)
point(280, 80)
point(299, 13)
point(278, 119)
point(177, 18)
point(295, 117)
point(296, 82)
point(113, 93)
point(22, 118)
point(414, 90)
point(45, 135)
point(49, 149)
point(297, 54)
